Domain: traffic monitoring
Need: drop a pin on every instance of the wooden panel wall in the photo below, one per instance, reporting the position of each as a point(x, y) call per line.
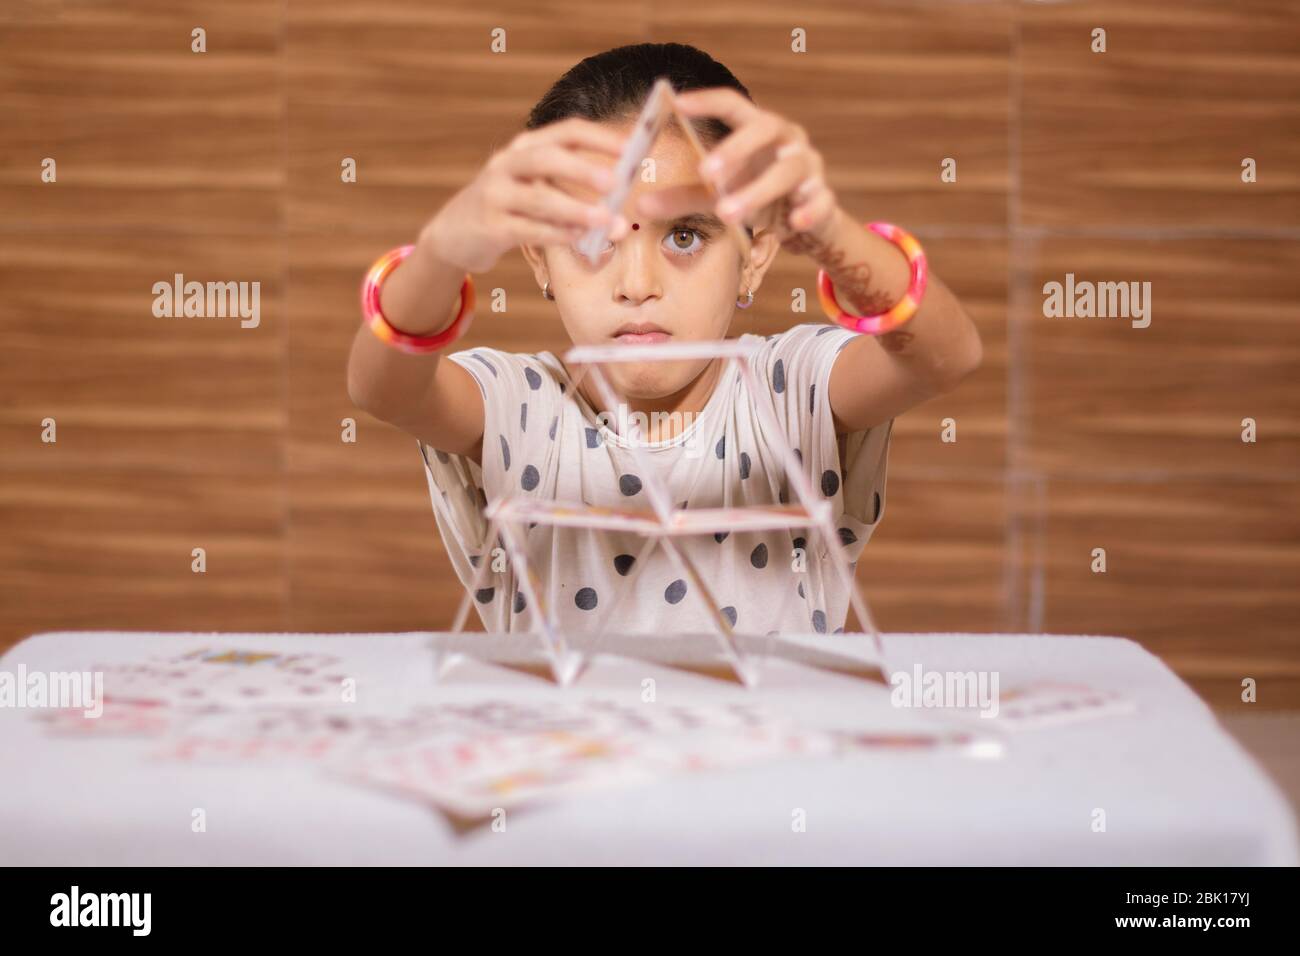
point(1075, 435)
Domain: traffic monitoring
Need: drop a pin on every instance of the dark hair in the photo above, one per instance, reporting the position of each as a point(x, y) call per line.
point(613, 85)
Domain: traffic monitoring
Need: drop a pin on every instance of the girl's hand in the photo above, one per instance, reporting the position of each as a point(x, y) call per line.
point(766, 168)
point(516, 197)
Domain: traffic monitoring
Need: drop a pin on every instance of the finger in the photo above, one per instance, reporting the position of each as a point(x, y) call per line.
point(552, 161)
point(770, 185)
point(578, 131)
point(536, 232)
point(673, 201)
point(735, 153)
point(542, 200)
point(727, 104)
point(814, 210)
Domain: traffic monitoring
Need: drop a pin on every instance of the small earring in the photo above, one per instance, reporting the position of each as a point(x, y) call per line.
point(546, 291)
point(748, 303)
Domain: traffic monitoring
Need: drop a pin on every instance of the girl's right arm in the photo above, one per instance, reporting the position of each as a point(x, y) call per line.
point(513, 200)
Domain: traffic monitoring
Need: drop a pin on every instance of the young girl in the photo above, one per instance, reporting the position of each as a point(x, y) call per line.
point(491, 423)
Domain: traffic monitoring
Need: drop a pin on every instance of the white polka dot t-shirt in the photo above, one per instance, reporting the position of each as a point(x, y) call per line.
point(542, 438)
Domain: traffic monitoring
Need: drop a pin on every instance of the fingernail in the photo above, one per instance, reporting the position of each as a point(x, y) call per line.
point(728, 208)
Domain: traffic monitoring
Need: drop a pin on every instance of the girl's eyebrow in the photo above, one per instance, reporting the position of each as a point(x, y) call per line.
point(697, 220)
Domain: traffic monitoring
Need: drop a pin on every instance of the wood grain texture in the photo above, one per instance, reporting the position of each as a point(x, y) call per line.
point(1152, 133)
point(114, 550)
point(146, 133)
point(1202, 572)
point(80, 343)
point(1107, 398)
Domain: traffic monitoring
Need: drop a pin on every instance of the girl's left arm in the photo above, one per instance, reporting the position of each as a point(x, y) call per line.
point(880, 376)
point(775, 180)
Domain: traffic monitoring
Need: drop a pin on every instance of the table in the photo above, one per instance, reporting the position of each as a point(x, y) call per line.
point(1175, 787)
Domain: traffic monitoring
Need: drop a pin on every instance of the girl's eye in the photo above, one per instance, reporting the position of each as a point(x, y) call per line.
point(685, 242)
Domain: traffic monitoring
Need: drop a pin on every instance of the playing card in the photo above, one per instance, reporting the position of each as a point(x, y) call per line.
point(119, 718)
point(229, 676)
point(504, 758)
point(1051, 704)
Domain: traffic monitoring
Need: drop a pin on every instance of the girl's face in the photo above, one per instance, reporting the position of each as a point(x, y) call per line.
point(682, 275)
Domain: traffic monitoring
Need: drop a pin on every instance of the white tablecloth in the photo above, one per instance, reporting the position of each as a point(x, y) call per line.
point(1175, 787)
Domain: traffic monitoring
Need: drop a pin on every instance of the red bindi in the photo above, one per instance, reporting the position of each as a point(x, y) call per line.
point(636, 225)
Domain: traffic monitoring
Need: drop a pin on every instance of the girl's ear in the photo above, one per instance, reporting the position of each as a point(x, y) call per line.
point(762, 254)
point(535, 256)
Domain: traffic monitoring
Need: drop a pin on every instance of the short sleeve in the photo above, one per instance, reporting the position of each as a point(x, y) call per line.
point(796, 365)
point(518, 394)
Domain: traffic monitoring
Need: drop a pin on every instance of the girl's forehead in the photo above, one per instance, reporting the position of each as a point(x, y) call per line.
point(674, 164)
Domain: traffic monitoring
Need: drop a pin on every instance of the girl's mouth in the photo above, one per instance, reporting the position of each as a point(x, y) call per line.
point(638, 337)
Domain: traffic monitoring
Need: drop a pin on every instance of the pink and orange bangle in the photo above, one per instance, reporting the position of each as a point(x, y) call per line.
point(906, 307)
point(373, 316)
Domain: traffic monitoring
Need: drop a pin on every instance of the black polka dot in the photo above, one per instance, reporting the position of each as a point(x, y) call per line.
point(730, 614)
point(585, 598)
point(554, 421)
point(505, 452)
point(593, 438)
point(623, 563)
point(675, 591)
point(520, 603)
point(523, 417)
point(798, 456)
point(819, 622)
point(562, 387)
point(801, 594)
point(784, 496)
point(758, 557)
point(826, 328)
point(442, 456)
point(534, 380)
point(847, 537)
point(629, 484)
point(483, 595)
point(838, 630)
point(491, 368)
point(830, 483)
point(744, 465)
point(720, 536)
point(812, 402)
point(842, 344)
point(721, 448)
point(875, 505)
point(778, 376)
point(529, 479)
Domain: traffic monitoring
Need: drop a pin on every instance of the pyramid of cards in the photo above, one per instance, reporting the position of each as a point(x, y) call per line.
point(664, 524)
